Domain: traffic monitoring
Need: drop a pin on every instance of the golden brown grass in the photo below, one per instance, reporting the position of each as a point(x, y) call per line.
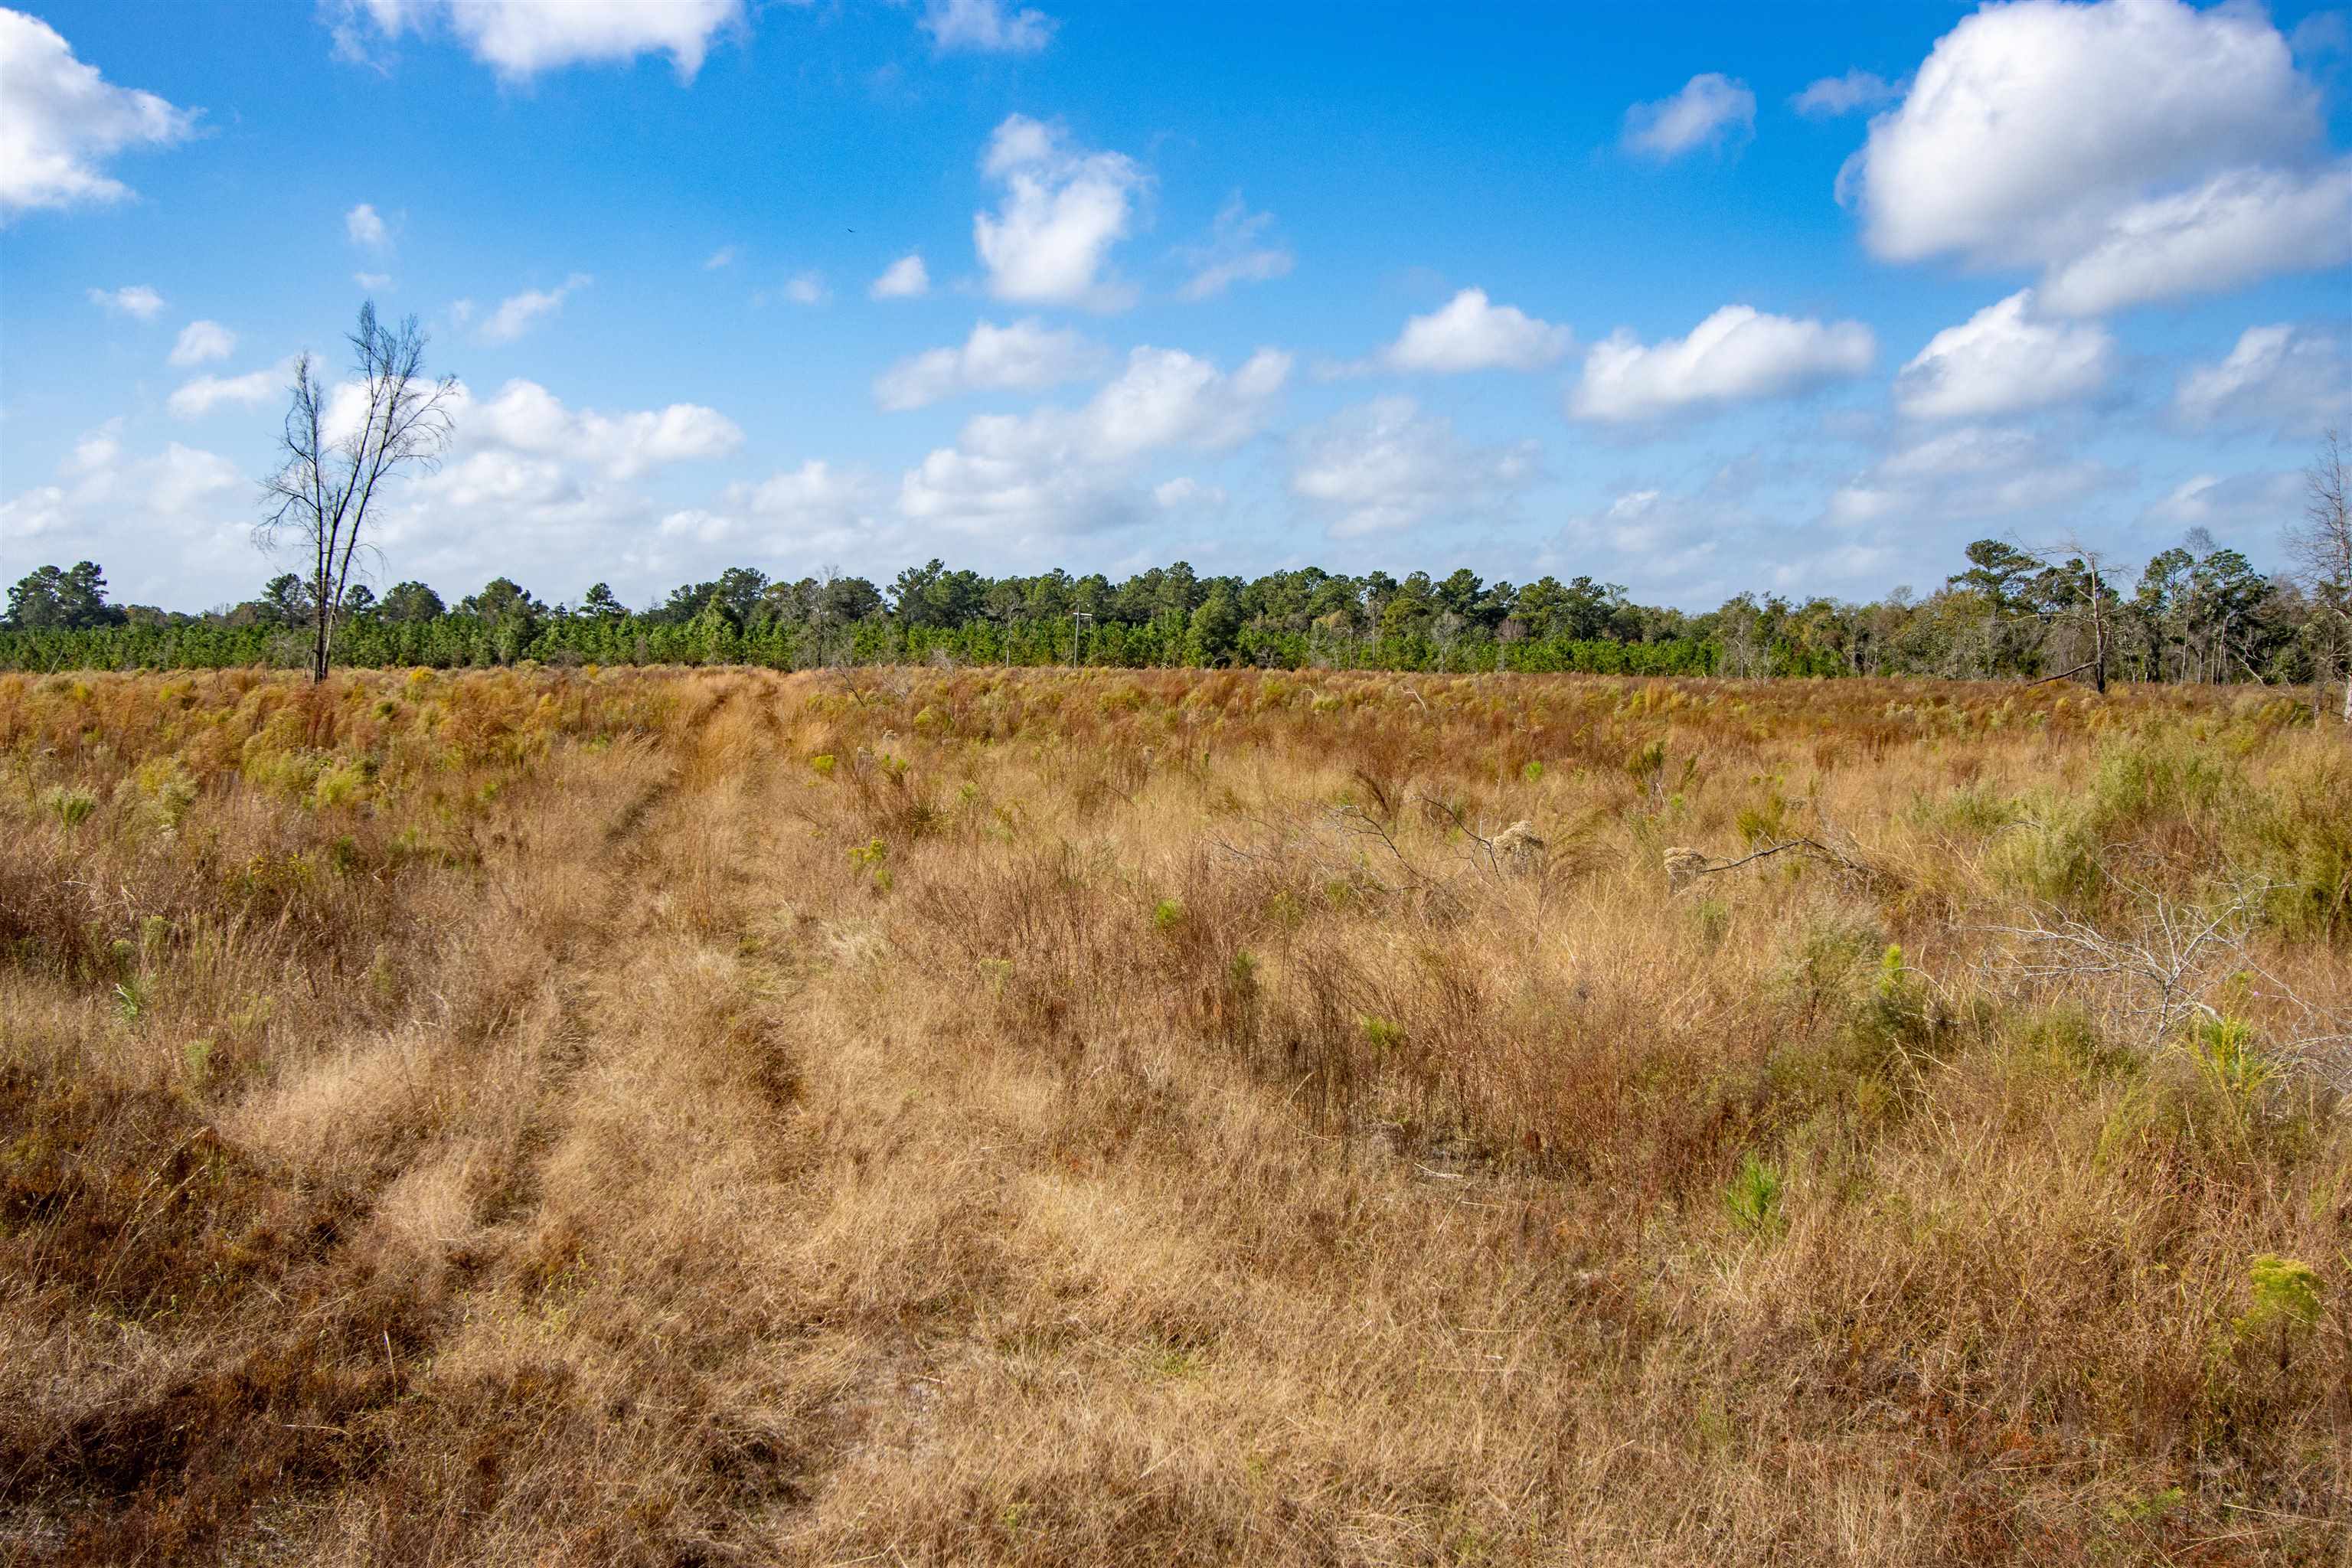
point(670, 1117)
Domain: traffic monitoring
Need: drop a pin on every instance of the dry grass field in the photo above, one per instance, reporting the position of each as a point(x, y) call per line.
point(674, 1117)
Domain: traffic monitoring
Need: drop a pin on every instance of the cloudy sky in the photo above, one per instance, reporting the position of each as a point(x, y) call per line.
point(1799, 298)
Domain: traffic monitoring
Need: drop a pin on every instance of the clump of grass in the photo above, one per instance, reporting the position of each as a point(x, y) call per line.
point(163, 788)
point(71, 807)
point(2228, 1057)
point(1752, 1196)
point(2286, 1296)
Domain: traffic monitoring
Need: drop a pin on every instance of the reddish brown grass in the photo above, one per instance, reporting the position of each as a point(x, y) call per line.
point(1110, 1117)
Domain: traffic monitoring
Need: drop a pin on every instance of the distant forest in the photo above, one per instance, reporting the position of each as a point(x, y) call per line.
point(2199, 612)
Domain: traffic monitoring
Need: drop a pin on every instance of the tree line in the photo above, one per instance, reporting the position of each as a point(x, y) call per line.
point(2198, 612)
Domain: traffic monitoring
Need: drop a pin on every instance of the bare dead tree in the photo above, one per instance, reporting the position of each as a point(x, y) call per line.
point(2166, 964)
point(2085, 606)
point(341, 445)
point(2161, 967)
point(2322, 551)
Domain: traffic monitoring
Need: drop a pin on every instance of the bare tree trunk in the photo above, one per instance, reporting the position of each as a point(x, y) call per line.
point(2321, 547)
point(2099, 630)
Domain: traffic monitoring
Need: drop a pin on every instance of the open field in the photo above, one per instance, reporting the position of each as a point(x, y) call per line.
point(662, 1117)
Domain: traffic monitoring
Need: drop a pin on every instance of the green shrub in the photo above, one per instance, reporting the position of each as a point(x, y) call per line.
point(1825, 969)
point(2171, 775)
point(1897, 1011)
point(872, 857)
point(341, 785)
point(2224, 1051)
point(2298, 837)
point(1976, 809)
point(2286, 1301)
point(2063, 1038)
point(2285, 1291)
point(1645, 763)
point(2055, 857)
point(165, 790)
point(1766, 822)
point(69, 806)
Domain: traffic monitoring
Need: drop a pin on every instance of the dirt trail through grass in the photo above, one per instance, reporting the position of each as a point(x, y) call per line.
point(711, 1117)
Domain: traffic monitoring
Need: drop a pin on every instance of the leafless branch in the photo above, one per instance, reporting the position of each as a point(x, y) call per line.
point(2165, 970)
point(2062, 675)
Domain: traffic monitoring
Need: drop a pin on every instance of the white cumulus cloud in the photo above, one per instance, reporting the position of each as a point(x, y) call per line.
point(2133, 150)
point(1384, 466)
point(986, 27)
point(364, 226)
point(2003, 359)
point(815, 507)
point(1736, 355)
point(905, 279)
point(1653, 535)
point(202, 341)
point(160, 522)
point(815, 494)
point(194, 399)
point(521, 39)
point(1471, 333)
point(2294, 380)
point(518, 313)
point(1708, 109)
point(1055, 470)
point(136, 299)
point(2235, 505)
point(529, 480)
point(1185, 493)
point(1049, 241)
point(60, 121)
point(1025, 356)
point(1967, 474)
point(2234, 229)
point(527, 419)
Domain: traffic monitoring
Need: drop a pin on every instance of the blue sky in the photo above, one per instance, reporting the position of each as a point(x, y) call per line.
point(1796, 298)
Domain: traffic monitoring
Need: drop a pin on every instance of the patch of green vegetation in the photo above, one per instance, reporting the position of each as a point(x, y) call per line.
point(71, 807)
point(1753, 1196)
point(2227, 1059)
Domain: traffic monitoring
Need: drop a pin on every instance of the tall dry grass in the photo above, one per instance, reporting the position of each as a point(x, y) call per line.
point(662, 1117)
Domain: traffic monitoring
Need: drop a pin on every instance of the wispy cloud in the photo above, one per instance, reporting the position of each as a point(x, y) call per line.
point(518, 313)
